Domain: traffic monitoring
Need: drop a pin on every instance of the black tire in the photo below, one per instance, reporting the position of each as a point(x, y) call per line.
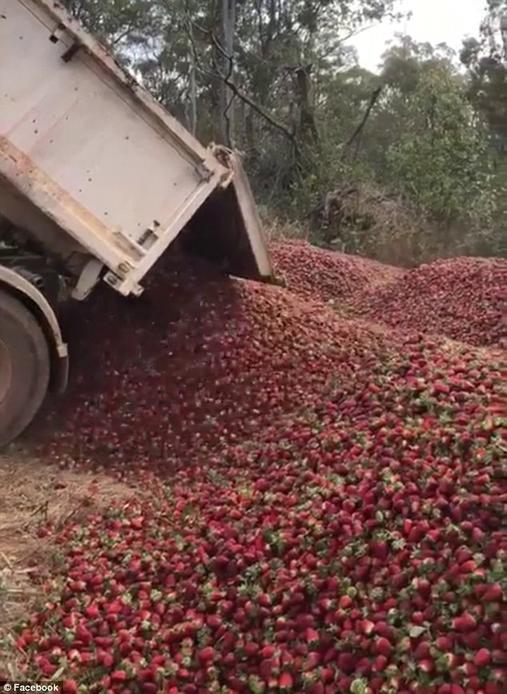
point(24, 367)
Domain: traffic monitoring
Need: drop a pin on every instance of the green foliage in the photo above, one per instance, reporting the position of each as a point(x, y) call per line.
point(441, 161)
point(406, 62)
point(306, 117)
point(116, 22)
point(485, 58)
point(424, 144)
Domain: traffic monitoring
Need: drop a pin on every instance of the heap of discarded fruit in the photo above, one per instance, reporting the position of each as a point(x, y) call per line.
point(326, 515)
point(462, 298)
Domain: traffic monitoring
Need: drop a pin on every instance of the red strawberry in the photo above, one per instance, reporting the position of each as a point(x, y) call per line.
point(383, 647)
point(465, 622)
point(286, 682)
point(312, 637)
point(482, 657)
point(493, 593)
point(206, 655)
point(380, 663)
point(267, 652)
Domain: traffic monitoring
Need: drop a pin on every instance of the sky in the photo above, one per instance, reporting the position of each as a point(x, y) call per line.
point(435, 21)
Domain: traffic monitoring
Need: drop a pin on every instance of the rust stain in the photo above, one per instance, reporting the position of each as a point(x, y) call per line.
point(36, 181)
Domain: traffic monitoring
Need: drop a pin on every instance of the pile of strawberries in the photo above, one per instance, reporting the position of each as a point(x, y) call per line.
point(355, 546)
point(326, 513)
point(316, 273)
point(463, 298)
point(198, 362)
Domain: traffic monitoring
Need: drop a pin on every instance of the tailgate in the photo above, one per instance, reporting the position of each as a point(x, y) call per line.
point(227, 228)
point(254, 244)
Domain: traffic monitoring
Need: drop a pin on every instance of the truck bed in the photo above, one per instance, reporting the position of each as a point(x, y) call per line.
point(114, 176)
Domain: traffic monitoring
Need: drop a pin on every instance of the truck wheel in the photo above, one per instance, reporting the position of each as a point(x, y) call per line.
point(24, 367)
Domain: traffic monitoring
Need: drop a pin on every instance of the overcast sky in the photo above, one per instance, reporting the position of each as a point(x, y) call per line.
point(435, 21)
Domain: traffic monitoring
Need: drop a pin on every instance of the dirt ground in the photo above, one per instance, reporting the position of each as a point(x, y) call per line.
point(31, 494)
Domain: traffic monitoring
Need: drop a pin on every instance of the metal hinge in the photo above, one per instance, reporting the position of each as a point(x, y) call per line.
point(203, 172)
point(71, 52)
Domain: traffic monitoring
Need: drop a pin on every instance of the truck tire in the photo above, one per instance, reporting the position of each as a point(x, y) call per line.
point(24, 367)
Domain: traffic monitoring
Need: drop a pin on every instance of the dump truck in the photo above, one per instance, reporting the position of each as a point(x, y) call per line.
point(97, 181)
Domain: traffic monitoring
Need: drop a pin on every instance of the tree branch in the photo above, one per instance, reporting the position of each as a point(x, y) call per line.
point(357, 132)
point(356, 32)
point(121, 36)
point(238, 92)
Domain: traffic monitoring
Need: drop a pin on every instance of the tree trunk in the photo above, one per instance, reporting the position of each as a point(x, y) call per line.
point(250, 131)
point(193, 83)
point(307, 126)
point(227, 95)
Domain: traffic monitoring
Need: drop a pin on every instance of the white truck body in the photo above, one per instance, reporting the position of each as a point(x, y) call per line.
point(95, 169)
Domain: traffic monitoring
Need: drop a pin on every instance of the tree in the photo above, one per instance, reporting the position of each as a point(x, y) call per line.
point(440, 161)
point(486, 60)
point(275, 79)
point(406, 61)
point(265, 57)
point(228, 17)
point(118, 23)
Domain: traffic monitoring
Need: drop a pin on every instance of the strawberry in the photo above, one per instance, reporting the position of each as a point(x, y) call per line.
point(383, 647)
point(464, 623)
point(482, 657)
point(286, 682)
point(206, 655)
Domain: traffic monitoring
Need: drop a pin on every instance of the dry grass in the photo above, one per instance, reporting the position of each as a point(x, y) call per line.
point(31, 494)
point(277, 229)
